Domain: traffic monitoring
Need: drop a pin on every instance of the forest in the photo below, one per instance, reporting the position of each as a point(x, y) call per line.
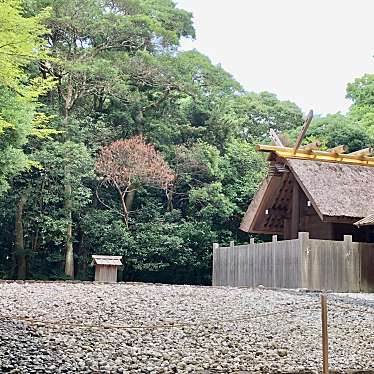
point(115, 141)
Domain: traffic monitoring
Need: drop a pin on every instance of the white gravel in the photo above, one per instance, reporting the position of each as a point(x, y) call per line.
point(281, 343)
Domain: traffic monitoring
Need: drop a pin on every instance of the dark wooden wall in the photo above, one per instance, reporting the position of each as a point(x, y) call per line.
point(303, 217)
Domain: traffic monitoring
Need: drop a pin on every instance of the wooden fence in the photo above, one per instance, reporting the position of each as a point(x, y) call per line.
point(342, 266)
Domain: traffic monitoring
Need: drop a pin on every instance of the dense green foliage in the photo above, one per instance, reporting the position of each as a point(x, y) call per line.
point(116, 73)
point(21, 43)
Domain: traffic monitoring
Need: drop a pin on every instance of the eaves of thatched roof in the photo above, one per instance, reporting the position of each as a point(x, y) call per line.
point(336, 190)
point(367, 221)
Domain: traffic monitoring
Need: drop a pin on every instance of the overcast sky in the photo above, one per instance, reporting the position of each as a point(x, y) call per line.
point(305, 51)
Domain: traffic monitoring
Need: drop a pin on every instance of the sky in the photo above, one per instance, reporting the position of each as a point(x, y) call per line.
point(305, 51)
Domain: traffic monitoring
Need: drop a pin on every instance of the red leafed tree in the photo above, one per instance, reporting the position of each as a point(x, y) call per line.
point(127, 164)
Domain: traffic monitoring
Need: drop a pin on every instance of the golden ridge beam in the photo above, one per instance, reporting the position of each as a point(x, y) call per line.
point(286, 152)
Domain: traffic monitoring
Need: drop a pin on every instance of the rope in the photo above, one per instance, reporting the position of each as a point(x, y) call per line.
point(175, 324)
point(155, 326)
point(346, 307)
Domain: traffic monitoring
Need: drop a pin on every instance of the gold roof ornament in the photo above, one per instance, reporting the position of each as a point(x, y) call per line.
point(311, 151)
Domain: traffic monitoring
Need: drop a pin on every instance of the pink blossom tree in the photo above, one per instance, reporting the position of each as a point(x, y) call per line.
point(128, 164)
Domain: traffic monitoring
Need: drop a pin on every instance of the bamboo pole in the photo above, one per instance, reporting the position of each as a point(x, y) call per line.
point(325, 339)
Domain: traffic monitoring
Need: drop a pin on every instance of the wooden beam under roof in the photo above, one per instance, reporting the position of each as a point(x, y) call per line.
point(328, 156)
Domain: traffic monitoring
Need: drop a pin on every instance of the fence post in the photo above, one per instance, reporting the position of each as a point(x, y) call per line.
point(348, 239)
point(216, 264)
point(325, 338)
point(233, 255)
point(303, 235)
point(252, 241)
point(306, 280)
point(274, 238)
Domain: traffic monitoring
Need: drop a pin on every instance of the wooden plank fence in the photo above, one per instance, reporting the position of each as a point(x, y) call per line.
point(342, 266)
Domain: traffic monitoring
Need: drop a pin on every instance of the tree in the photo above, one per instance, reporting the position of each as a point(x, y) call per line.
point(21, 45)
point(361, 113)
point(336, 129)
point(21, 42)
point(128, 164)
point(361, 91)
point(252, 115)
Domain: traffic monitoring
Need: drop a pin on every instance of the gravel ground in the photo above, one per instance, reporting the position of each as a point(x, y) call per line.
point(176, 339)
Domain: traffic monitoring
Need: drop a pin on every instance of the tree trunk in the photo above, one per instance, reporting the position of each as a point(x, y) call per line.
point(130, 200)
point(19, 237)
point(69, 257)
point(139, 122)
point(170, 195)
point(68, 204)
point(125, 212)
point(68, 100)
point(83, 255)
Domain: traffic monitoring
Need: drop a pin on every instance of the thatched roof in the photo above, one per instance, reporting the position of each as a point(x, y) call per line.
point(336, 190)
point(367, 221)
point(107, 260)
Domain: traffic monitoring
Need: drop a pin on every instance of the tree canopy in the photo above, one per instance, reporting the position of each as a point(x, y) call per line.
point(21, 47)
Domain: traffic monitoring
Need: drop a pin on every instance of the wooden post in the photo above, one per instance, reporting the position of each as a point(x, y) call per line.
point(275, 138)
point(303, 235)
point(325, 338)
point(252, 241)
point(348, 240)
point(303, 131)
point(232, 243)
point(274, 238)
point(216, 274)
